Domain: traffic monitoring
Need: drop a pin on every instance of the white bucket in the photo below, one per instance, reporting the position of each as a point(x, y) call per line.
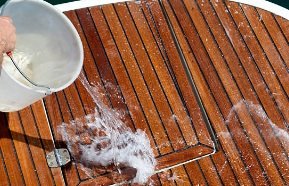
point(48, 50)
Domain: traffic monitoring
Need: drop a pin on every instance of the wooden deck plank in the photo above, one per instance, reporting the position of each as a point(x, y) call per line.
point(162, 73)
point(110, 179)
point(22, 149)
point(179, 175)
point(267, 45)
point(55, 118)
point(3, 173)
point(275, 34)
point(46, 138)
point(270, 143)
point(73, 110)
point(122, 77)
point(182, 156)
point(9, 154)
point(210, 171)
point(154, 180)
point(36, 148)
point(104, 77)
point(237, 57)
point(74, 103)
point(164, 178)
point(150, 77)
point(283, 25)
point(139, 84)
point(212, 110)
point(224, 169)
point(175, 62)
point(257, 81)
point(195, 173)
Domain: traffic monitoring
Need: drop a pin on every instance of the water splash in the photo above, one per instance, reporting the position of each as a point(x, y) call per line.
point(102, 139)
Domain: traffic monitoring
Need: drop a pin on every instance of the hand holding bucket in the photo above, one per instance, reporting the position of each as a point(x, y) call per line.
point(51, 47)
point(7, 36)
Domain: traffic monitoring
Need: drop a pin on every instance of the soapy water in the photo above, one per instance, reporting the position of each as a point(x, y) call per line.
point(102, 139)
point(23, 61)
point(42, 66)
point(258, 112)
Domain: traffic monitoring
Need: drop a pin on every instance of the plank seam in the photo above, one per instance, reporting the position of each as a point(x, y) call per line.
point(168, 64)
point(4, 166)
point(41, 142)
point(28, 146)
point(258, 70)
point(273, 159)
point(148, 90)
point(100, 74)
point(154, 70)
point(146, 84)
point(267, 59)
point(191, 79)
point(61, 113)
point(15, 152)
point(92, 55)
point(279, 26)
point(234, 171)
point(271, 39)
point(145, 117)
point(161, 48)
point(268, 33)
point(261, 135)
point(239, 121)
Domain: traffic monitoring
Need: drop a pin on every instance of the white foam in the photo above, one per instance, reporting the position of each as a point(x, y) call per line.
point(23, 61)
point(258, 111)
point(108, 140)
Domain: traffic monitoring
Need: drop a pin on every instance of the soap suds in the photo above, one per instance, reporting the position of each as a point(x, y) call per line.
point(258, 111)
point(23, 61)
point(102, 139)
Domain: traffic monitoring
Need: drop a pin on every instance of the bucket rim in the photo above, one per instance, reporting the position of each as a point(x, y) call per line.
point(74, 32)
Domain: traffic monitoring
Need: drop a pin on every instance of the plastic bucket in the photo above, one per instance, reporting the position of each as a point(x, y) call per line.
point(48, 49)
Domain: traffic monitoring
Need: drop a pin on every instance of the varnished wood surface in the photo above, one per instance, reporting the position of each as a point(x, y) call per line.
point(238, 58)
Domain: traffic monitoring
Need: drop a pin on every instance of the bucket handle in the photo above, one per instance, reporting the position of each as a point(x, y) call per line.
point(9, 54)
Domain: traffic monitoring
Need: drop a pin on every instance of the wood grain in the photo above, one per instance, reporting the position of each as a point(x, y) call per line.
point(141, 57)
point(9, 155)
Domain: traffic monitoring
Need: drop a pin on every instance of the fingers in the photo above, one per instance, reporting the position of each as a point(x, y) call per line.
point(7, 34)
point(6, 18)
point(11, 40)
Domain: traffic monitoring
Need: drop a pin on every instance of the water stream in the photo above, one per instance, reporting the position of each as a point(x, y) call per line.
point(103, 139)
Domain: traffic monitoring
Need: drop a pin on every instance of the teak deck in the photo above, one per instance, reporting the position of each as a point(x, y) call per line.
point(146, 57)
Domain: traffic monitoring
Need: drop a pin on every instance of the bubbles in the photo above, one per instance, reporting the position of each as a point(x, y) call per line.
point(102, 139)
point(24, 63)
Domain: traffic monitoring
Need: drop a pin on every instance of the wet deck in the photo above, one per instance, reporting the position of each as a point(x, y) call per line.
point(236, 55)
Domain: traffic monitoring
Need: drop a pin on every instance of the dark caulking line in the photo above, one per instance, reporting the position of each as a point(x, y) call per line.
point(189, 75)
